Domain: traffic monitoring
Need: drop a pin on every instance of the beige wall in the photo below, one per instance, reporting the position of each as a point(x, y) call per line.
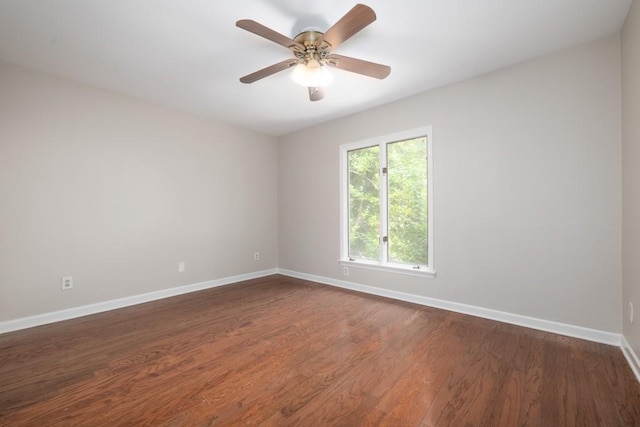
point(631, 175)
point(115, 191)
point(527, 189)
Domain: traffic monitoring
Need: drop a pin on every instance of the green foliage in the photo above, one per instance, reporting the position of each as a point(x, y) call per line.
point(364, 203)
point(407, 163)
point(407, 199)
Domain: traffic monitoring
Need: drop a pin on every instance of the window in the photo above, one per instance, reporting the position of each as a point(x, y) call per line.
point(387, 203)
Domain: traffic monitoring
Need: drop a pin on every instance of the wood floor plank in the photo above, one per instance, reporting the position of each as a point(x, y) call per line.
point(284, 351)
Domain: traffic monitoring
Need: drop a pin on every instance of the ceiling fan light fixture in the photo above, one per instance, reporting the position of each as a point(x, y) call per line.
point(313, 52)
point(311, 74)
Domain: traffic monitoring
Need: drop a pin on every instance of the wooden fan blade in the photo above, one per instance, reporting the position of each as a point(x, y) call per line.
point(355, 20)
point(268, 33)
point(316, 93)
point(359, 66)
point(272, 69)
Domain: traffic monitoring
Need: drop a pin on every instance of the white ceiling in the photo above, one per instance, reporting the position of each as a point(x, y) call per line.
point(189, 53)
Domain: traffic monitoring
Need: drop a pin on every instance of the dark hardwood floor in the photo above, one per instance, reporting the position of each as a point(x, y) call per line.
point(282, 351)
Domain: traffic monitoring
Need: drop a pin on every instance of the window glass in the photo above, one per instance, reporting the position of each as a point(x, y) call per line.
point(364, 203)
point(407, 201)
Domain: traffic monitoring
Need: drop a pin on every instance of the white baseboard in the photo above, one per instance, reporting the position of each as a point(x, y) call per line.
point(631, 356)
point(85, 310)
point(501, 316)
point(515, 319)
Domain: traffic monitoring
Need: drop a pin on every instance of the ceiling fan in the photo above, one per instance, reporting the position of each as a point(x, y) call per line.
point(312, 52)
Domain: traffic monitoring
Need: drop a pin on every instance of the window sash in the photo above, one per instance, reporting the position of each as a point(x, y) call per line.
point(360, 238)
point(392, 185)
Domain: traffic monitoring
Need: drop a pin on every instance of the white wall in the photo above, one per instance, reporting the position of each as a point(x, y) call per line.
point(631, 174)
point(115, 191)
point(527, 189)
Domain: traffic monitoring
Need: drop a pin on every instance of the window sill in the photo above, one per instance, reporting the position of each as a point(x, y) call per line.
point(400, 269)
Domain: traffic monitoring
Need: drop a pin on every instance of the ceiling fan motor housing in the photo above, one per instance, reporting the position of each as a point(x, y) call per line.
point(309, 39)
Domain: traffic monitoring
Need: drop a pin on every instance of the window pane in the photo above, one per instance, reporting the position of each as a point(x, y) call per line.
point(407, 190)
point(364, 204)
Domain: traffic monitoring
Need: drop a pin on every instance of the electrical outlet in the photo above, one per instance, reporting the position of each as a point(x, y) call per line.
point(256, 256)
point(345, 271)
point(181, 267)
point(630, 312)
point(66, 282)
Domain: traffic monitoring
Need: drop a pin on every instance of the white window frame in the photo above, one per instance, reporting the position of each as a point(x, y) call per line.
point(422, 271)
